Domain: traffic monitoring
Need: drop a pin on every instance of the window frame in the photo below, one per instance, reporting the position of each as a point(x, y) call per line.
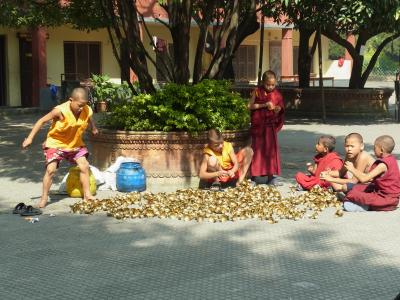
point(76, 74)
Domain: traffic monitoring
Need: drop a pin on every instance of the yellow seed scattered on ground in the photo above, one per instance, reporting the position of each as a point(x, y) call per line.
point(243, 202)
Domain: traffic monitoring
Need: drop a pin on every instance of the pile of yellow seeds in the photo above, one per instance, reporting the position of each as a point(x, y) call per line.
point(244, 202)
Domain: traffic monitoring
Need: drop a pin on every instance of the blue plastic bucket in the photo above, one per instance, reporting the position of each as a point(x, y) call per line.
point(131, 177)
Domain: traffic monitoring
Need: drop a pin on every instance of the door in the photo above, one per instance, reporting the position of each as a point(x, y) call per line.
point(275, 58)
point(3, 100)
point(25, 63)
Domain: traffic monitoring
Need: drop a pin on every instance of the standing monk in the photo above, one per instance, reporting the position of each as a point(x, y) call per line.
point(267, 111)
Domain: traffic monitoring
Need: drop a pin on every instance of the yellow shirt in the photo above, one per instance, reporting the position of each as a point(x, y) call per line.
point(223, 158)
point(67, 134)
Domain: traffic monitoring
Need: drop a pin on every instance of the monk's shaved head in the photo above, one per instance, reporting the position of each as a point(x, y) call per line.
point(328, 141)
point(79, 93)
point(386, 142)
point(356, 136)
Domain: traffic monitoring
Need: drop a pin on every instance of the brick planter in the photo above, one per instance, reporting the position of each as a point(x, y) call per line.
point(163, 154)
point(339, 102)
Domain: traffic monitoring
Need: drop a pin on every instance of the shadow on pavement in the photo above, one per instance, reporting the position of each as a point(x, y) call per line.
point(78, 256)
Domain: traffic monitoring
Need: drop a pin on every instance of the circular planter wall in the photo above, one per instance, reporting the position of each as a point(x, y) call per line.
point(339, 102)
point(163, 154)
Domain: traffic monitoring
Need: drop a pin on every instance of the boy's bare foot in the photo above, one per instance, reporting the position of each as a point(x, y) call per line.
point(42, 203)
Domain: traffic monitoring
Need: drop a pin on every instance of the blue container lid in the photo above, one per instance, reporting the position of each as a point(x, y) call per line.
point(130, 165)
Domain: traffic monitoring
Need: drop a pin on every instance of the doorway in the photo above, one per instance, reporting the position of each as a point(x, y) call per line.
point(3, 100)
point(25, 63)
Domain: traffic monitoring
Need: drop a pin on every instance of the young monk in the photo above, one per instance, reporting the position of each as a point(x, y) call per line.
point(267, 111)
point(220, 166)
point(383, 191)
point(64, 140)
point(341, 180)
point(326, 159)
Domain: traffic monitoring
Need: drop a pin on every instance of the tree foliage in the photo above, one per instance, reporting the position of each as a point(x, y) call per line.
point(25, 13)
point(337, 19)
point(365, 20)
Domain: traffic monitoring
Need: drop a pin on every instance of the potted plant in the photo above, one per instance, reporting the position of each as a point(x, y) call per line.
point(102, 91)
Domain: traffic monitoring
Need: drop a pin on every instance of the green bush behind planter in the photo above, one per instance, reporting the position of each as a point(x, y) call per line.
point(191, 108)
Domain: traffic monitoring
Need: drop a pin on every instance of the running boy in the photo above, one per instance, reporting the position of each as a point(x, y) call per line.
point(383, 191)
point(326, 159)
point(64, 140)
point(220, 164)
point(267, 111)
point(341, 180)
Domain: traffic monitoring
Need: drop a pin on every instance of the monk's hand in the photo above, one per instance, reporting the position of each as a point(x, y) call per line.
point(95, 131)
point(26, 143)
point(222, 173)
point(277, 109)
point(349, 166)
point(231, 174)
point(269, 106)
point(310, 167)
point(325, 175)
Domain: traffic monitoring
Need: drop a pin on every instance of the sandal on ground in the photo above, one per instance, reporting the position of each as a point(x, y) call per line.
point(30, 211)
point(215, 186)
point(20, 207)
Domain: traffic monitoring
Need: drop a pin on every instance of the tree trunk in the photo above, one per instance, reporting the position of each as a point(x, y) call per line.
point(358, 60)
point(305, 59)
point(198, 61)
point(202, 18)
point(356, 73)
point(179, 20)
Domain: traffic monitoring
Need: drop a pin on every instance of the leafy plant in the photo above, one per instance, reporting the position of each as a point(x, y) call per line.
point(192, 108)
point(102, 88)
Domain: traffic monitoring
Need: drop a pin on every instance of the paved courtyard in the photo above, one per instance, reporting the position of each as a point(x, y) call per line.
point(69, 256)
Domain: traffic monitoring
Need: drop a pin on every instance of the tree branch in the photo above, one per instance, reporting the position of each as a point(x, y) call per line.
point(170, 74)
point(375, 57)
point(334, 36)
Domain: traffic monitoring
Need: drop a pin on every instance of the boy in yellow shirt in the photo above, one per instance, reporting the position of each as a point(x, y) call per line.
point(64, 140)
point(220, 164)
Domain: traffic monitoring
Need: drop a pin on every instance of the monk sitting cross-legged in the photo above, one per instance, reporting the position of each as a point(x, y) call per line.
point(326, 159)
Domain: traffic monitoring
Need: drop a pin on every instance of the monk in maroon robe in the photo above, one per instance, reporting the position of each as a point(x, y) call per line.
point(383, 189)
point(267, 111)
point(325, 160)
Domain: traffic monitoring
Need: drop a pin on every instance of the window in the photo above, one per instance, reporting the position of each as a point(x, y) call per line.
point(81, 60)
point(244, 63)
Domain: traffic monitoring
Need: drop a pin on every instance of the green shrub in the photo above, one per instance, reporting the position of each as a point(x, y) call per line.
point(192, 108)
point(102, 88)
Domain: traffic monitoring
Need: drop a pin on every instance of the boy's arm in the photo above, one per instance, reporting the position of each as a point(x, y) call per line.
point(54, 114)
point(362, 177)
point(338, 179)
point(203, 174)
point(234, 160)
point(93, 126)
point(336, 176)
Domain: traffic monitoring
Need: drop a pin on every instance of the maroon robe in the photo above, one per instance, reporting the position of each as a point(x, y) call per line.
point(330, 161)
point(384, 191)
point(265, 125)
